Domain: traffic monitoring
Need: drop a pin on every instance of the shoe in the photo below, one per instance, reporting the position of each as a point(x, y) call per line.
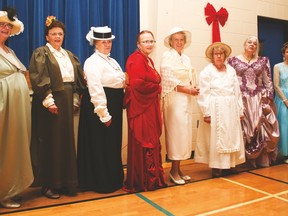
point(68, 192)
point(186, 178)
point(231, 171)
point(9, 203)
point(49, 193)
point(286, 161)
point(179, 182)
point(216, 172)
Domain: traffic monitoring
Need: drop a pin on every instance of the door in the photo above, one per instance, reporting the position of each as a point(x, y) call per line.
point(272, 34)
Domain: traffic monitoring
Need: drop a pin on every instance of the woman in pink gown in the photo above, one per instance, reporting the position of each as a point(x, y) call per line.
point(260, 125)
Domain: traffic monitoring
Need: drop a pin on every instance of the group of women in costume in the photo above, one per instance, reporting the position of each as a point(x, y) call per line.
point(235, 96)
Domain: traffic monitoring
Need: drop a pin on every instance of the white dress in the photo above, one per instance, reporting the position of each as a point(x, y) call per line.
point(220, 142)
point(177, 107)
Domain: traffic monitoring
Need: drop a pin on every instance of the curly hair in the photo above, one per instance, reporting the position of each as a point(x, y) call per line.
point(55, 23)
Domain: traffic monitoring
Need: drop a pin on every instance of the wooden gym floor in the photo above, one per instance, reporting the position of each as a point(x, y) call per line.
point(251, 192)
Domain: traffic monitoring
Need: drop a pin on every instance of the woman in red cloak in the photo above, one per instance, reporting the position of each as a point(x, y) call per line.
point(144, 165)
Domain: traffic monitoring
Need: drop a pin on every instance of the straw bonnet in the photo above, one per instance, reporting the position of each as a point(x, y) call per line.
point(99, 33)
point(217, 44)
point(176, 30)
point(18, 26)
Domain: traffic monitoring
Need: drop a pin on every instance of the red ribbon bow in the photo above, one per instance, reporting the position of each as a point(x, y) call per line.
point(215, 18)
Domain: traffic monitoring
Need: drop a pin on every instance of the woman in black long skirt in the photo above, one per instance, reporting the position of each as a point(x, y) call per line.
point(100, 124)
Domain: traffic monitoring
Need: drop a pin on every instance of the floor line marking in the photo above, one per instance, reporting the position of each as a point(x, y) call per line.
point(154, 204)
point(246, 186)
point(252, 188)
point(269, 195)
point(233, 206)
point(282, 192)
point(268, 177)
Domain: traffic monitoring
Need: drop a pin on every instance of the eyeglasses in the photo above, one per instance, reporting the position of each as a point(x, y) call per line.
point(4, 25)
point(217, 54)
point(55, 34)
point(147, 42)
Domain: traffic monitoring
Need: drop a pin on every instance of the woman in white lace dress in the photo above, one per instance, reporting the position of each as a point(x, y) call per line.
point(178, 87)
point(221, 143)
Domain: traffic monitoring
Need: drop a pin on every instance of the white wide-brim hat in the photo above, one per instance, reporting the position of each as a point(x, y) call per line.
point(99, 33)
point(18, 26)
point(176, 30)
point(210, 48)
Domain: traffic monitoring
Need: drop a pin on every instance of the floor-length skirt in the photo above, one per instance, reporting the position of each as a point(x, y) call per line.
point(282, 116)
point(53, 146)
point(99, 147)
point(144, 161)
point(15, 131)
point(144, 172)
point(177, 115)
point(261, 131)
point(220, 143)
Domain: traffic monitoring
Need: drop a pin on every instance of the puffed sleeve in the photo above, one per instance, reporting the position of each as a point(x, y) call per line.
point(267, 79)
point(80, 84)
point(39, 75)
point(204, 95)
point(98, 98)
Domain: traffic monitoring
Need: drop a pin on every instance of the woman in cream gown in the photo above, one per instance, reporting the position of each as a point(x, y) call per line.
point(178, 85)
point(15, 117)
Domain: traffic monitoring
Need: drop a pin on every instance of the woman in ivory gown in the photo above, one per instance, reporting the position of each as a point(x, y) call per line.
point(15, 116)
point(178, 87)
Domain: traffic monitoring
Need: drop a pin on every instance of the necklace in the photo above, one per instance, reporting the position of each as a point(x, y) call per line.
point(248, 59)
point(111, 63)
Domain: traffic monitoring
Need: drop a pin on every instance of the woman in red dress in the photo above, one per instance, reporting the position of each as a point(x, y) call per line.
point(144, 165)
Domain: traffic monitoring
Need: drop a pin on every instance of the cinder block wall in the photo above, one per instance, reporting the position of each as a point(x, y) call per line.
point(160, 16)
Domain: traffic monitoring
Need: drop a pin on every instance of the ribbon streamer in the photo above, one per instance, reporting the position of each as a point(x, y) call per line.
point(215, 18)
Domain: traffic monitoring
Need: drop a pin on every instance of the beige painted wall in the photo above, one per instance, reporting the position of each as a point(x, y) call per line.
point(160, 16)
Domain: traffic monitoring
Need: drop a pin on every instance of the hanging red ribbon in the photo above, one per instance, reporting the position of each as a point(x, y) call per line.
point(215, 18)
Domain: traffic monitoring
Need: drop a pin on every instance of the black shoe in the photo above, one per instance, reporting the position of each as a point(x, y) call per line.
point(227, 172)
point(216, 172)
point(49, 193)
point(68, 192)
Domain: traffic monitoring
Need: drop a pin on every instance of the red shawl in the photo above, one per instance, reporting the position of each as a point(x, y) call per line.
point(142, 100)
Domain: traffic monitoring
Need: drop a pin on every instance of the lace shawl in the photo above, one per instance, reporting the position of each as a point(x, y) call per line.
point(176, 70)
